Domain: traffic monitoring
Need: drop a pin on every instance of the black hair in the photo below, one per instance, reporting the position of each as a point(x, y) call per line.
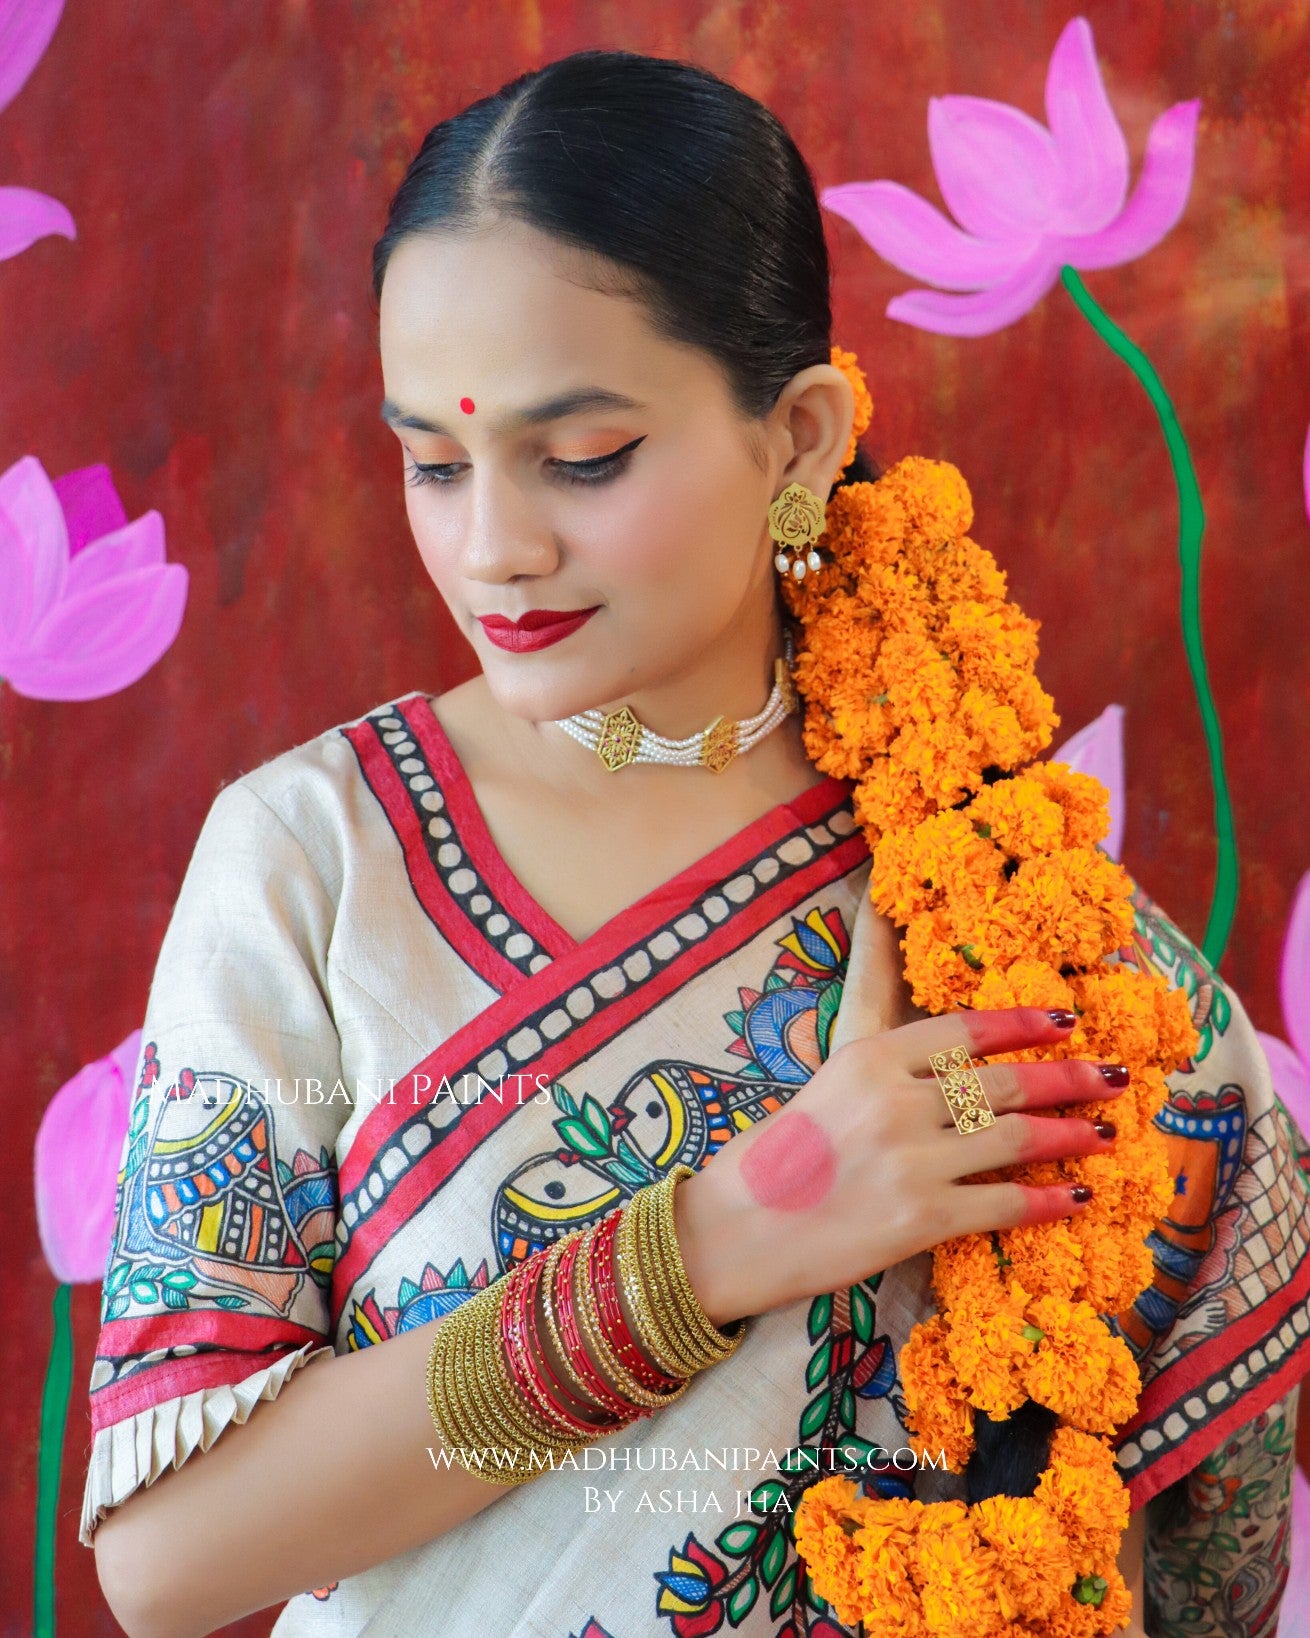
point(696, 200)
point(691, 195)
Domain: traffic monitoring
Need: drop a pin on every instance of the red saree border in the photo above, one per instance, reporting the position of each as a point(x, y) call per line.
point(635, 925)
point(444, 910)
point(1202, 1366)
point(472, 1124)
point(721, 861)
point(423, 722)
point(242, 1345)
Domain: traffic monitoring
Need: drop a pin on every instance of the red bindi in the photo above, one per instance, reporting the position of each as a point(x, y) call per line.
point(792, 1166)
point(466, 404)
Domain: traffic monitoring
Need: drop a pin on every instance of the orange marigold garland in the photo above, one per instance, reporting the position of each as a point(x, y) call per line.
point(919, 681)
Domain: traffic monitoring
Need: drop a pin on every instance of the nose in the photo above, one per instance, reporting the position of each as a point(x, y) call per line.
point(505, 535)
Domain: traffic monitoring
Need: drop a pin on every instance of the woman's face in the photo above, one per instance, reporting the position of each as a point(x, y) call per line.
point(646, 507)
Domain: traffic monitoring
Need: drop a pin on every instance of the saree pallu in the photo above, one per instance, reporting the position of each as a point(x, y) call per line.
point(375, 1075)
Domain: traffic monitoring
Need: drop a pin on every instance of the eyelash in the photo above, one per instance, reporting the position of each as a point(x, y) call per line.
point(600, 470)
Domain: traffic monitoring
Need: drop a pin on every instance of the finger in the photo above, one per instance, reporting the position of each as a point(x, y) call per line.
point(980, 1030)
point(873, 971)
point(980, 1208)
point(1019, 1139)
point(1042, 1086)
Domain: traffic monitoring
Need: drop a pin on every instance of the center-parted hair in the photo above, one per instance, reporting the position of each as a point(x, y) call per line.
point(691, 196)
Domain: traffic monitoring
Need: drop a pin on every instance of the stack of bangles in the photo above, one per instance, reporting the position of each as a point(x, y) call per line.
point(501, 1409)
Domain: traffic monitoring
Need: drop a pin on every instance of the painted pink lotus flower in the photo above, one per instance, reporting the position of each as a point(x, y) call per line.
point(1028, 198)
point(79, 1144)
point(26, 27)
point(1291, 1063)
point(87, 602)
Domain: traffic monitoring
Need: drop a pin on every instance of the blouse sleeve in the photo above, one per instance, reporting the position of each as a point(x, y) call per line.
point(218, 1281)
point(1223, 1331)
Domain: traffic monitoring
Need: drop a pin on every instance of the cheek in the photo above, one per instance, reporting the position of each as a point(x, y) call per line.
point(434, 548)
point(792, 1166)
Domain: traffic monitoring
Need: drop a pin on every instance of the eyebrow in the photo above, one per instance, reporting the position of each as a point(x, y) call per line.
point(550, 409)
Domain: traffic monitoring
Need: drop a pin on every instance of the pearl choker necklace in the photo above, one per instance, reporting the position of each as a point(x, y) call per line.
point(618, 738)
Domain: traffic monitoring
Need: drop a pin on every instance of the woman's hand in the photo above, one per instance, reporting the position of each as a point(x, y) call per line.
point(864, 1166)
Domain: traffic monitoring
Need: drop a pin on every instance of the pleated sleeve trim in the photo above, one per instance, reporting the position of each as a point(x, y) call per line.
point(134, 1452)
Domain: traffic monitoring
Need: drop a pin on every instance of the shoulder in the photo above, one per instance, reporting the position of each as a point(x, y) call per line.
point(307, 799)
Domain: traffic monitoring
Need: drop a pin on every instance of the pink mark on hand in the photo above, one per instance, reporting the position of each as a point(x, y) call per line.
point(792, 1166)
point(466, 404)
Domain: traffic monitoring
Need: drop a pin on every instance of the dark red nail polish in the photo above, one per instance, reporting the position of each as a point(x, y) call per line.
point(1082, 1193)
point(1062, 1019)
point(1104, 1129)
point(1115, 1074)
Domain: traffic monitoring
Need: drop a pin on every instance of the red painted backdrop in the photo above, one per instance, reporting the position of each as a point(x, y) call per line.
point(210, 335)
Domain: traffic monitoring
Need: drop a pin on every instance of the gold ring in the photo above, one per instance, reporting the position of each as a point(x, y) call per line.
point(958, 1078)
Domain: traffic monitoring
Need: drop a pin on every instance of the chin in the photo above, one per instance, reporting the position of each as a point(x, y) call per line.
point(535, 703)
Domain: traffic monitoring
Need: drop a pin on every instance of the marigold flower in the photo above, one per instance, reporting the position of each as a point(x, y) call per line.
point(919, 681)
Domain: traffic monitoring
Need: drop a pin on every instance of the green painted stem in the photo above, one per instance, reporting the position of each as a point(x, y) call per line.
point(50, 1456)
point(1191, 526)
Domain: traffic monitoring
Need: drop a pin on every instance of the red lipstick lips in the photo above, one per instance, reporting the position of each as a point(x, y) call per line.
point(538, 628)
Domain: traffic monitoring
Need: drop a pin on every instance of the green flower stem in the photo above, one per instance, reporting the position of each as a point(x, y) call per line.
point(49, 1461)
point(1191, 526)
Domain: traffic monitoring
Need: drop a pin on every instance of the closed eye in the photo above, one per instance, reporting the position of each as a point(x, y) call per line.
point(599, 469)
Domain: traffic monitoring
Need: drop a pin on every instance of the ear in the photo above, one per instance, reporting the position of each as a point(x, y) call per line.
point(811, 427)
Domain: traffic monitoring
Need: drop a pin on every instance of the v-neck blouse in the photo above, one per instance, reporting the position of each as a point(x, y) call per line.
point(426, 727)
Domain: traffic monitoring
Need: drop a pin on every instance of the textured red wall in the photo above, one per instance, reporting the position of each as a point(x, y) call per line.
point(210, 335)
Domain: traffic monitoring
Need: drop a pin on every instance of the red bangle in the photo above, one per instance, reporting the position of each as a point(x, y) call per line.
point(579, 1358)
point(613, 1323)
point(555, 1391)
point(513, 1321)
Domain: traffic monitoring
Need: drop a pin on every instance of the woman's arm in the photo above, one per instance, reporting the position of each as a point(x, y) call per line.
point(1218, 1539)
point(342, 1470)
point(330, 1477)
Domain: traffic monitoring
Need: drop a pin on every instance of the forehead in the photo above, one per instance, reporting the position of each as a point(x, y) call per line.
point(506, 315)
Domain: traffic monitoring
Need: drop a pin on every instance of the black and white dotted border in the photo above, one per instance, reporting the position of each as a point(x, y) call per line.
point(448, 852)
point(1263, 1360)
point(556, 1019)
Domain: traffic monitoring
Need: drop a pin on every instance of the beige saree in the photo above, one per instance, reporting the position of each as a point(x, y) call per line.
point(375, 1075)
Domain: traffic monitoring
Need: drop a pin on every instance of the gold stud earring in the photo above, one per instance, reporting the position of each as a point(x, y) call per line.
point(796, 518)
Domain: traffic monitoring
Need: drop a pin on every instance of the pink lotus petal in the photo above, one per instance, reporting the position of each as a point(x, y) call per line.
point(26, 29)
point(1305, 473)
point(1157, 201)
point(996, 166)
point(33, 552)
point(26, 216)
point(137, 545)
point(1294, 971)
point(106, 639)
point(79, 1147)
point(91, 505)
point(1291, 1078)
point(1294, 1611)
point(980, 314)
point(1098, 749)
point(1092, 152)
point(913, 235)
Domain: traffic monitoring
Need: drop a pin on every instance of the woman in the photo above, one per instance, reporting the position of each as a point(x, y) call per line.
point(442, 985)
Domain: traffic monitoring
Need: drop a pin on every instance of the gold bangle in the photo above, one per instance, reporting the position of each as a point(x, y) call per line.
point(660, 1323)
point(690, 1336)
point(719, 1343)
point(472, 1394)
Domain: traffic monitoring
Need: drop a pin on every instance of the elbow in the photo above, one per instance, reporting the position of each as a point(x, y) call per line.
point(126, 1567)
